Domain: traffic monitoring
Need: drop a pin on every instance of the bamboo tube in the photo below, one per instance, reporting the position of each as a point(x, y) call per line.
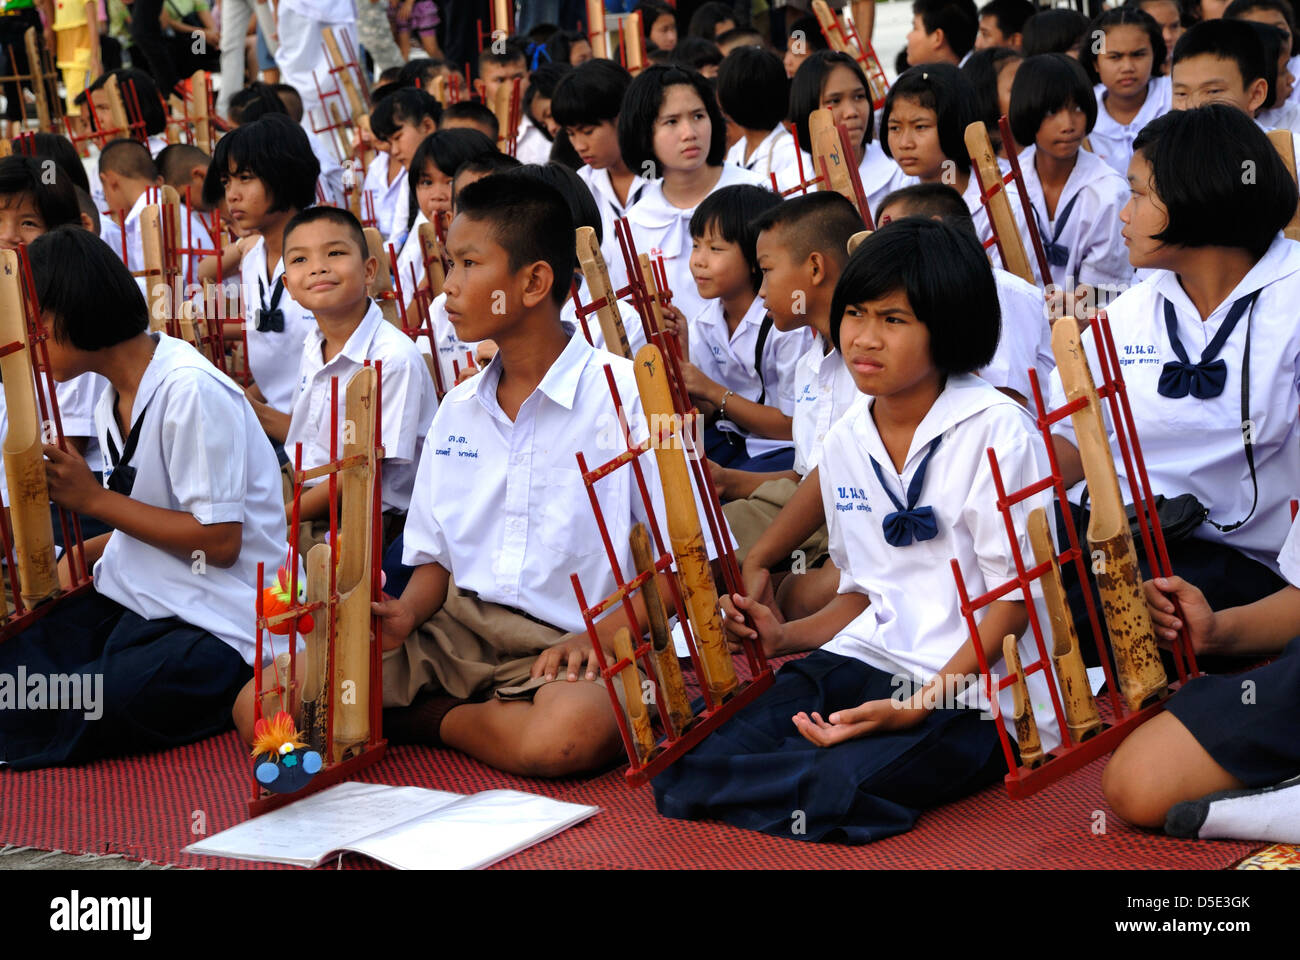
point(668, 672)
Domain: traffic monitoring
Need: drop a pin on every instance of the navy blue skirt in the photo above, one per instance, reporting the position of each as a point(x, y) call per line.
point(92, 679)
point(728, 449)
point(758, 772)
point(1248, 722)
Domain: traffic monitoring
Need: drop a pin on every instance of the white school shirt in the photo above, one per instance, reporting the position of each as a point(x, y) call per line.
point(410, 258)
point(501, 505)
point(330, 181)
point(1025, 338)
point(131, 230)
point(984, 225)
point(774, 153)
point(1287, 116)
point(401, 212)
point(913, 625)
point(880, 176)
point(1111, 140)
point(451, 348)
point(602, 191)
point(272, 357)
point(383, 194)
point(201, 451)
point(632, 324)
point(1288, 560)
point(659, 228)
point(1097, 254)
point(824, 391)
point(728, 358)
point(408, 401)
point(1195, 446)
point(531, 145)
point(1294, 66)
point(77, 399)
point(328, 11)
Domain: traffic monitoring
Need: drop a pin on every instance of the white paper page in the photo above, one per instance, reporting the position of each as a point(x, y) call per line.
point(477, 832)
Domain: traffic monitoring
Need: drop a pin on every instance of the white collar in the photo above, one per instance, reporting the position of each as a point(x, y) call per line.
point(560, 382)
point(1280, 260)
point(357, 348)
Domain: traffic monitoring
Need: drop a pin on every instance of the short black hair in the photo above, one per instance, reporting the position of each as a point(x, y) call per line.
point(56, 147)
point(145, 94)
point(559, 47)
point(55, 197)
point(514, 48)
point(97, 305)
point(934, 200)
point(982, 68)
point(254, 102)
point(1054, 30)
point(276, 151)
point(338, 215)
point(1233, 40)
point(1238, 7)
point(590, 94)
point(641, 104)
point(175, 161)
point(806, 92)
point(291, 99)
point(1196, 159)
point(696, 53)
point(1271, 39)
point(1044, 84)
point(1119, 17)
point(472, 111)
point(582, 205)
point(422, 69)
point(651, 11)
point(731, 212)
point(447, 150)
point(530, 220)
point(407, 105)
point(811, 30)
point(738, 34)
point(946, 277)
point(86, 204)
point(129, 158)
point(753, 89)
point(707, 16)
point(485, 163)
point(822, 222)
point(943, 88)
point(1010, 15)
point(956, 18)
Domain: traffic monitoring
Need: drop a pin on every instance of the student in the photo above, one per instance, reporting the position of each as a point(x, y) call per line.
point(300, 54)
point(570, 47)
point(710, 20)
point(422, 71)
point(1170, 17)
point(197, 482)
point(56, 147)
point(327, 271)
point(403, 119)
point(1278, 14)
point(1220, 302)
point(1216, 764)
point(670, 125)
point(496, 69)
point(1072, 193)
point(536, 107)
point(1001, 23)
point(138, 90)
point(740, 37)
point(836, 740)
point(659, 22)
point(1207, 10)
point(753, 92)
point(696, 53)
point(1277, 112)
point(266, 173)
point(1220, 62)
point(383, 184)
point(1053, 30)
point(741, 369)
point(184, 167)
point(991, 72)
point(943, 31)
point(471, 114)
point(1129, 93)
point(586, 105)
point(803, 40)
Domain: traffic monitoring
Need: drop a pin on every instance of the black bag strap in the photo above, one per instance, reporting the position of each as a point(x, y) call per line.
point(1247, 435)
point(764, 329)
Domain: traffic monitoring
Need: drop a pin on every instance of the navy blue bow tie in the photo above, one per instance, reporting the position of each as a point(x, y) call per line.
point(271, 319)
point(1058, 255)
point(1204, 380)
point(911, 522)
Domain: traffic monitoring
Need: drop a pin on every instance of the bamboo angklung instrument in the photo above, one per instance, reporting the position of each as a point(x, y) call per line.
point(984, 164)
point(597, 35)
point(6, 148)
point(638, 714)
point(855, 241)
point(344, 73)
point(315, 674)
point(116, 109)
point(1031, 748)
point(634, 43)
point(1081, 714)
point(668, 672)
point(503, 108)
point(1284, 144)
point(684, 531)
point(652, 289)
point(155, 278)
point(828, 156)
point(435, 274)
point(598, 286)
point(501, 16)
point(1138, 668)
point(352, 637)
point(382, 287)
point(36, 64)
point(29, 494)
point(199, 85)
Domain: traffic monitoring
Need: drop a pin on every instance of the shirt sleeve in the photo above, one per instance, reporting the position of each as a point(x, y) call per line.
point(1017, 353)
point(407, 406)
point(78, 398)
point(204, 456)
point(779, 362)
point(423, 540)
point(1103, 258)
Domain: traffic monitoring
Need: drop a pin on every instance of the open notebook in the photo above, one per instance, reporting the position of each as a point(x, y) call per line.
point(409, 828)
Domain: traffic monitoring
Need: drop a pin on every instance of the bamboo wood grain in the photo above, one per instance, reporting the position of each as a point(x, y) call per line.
point(986, 168)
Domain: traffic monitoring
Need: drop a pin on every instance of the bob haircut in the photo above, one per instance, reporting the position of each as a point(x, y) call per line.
point(447, 150)
point(1233, 40)
point(641, 105)
point(1121, 17)
point(652, 11)
point(96, 306)
point(1054, 30)
point(731, 213)
point(276, 151)
point(542, 83)
point(753, 89)
point(56, 147)
point(1044, 84)
point(982, 68)
point(530, 220)
point(55, 197)
point(1196, 159)
point(946, 276)
point(407, 105)
point(940, 87)
point(806, 92)
point(590, 94)
point(582, 205)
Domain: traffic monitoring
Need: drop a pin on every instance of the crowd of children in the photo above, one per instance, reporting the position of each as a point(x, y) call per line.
point(848, 397)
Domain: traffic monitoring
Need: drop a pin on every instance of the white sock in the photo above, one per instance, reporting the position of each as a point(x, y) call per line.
point(1269, 814)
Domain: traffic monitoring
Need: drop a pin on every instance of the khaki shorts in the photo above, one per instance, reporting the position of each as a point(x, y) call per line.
point(750, 518)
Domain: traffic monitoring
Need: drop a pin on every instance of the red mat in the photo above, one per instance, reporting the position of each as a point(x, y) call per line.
point(148, 808)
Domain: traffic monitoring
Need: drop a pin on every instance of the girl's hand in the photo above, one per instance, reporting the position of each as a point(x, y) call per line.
point(675, 326)
point(871, 717)
point(72, 485)
point(1200, 619)
point(697, 384)
point(720, 475)
point(768, 628)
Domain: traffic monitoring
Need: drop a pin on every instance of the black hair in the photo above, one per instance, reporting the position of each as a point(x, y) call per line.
point(1120, 17)
point(447, 150)
point(291, 99)
point(982, 68)
point(56, 147)
point(422, 69)
point(582, 205)
point(1044, 84)
point(97, 305)
point(276, 151)
point(254, 102)
point(388, 75)
point(956, 18)
point(1233, 40)
point(945, 274)
point(175, 161)
point(651, 11)
point(822, 222)
point(731, 212)
point(562, 152)
point(1054, 30)
point(1197, 158)
point(1238, 7)
point(408, 105)
point(514, 48)
point(129, 158)
point(736, 34)
point(641, 105)
point(811, 29)
point(146, 94)
point(753, 89)
point(496, 162)
point(806, 92)
point(560, 46)
point(935, 200)
point(696, 53)
point(530, 220)
point(86, 204)
point(542, 83)
point(940, 87)
point(472, 111)
point(382, 90)
point(55, 197)
point(1271, 39)
point(659, 58)
point(707, 16)
point(344, 218)
point(590, 94)
point(1010, 15)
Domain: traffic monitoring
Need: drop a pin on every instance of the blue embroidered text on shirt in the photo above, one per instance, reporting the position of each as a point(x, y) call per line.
point(1139, 353)
point(851, 498)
